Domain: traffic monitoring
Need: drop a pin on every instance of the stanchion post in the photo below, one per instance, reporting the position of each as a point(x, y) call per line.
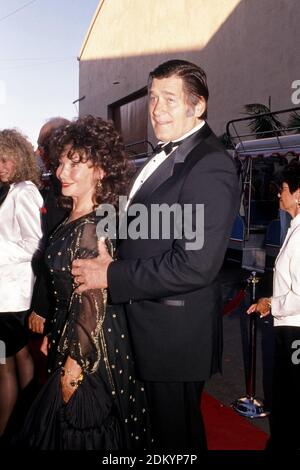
point(250, 406)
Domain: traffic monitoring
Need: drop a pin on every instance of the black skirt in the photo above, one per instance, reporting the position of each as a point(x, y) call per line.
point(14, 332)
point(89, 421)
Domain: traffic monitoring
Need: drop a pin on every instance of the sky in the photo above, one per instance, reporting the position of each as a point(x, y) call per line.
point(39, 70)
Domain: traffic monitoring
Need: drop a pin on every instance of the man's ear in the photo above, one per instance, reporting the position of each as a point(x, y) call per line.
point(200, 107)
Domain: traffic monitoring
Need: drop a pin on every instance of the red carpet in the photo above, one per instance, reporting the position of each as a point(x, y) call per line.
point(227, 430)
point(234, 303)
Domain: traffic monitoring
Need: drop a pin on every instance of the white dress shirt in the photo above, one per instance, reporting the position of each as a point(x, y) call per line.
point(155, 162)
point(20, 235)
point(286, 281)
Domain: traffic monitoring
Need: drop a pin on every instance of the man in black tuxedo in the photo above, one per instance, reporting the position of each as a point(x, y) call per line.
point(169, 285)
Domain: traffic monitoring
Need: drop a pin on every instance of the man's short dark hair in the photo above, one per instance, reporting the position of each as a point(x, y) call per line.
point(194, 78)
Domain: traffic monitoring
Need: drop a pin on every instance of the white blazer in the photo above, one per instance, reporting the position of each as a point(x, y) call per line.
point(286, 279)
point(20, 235)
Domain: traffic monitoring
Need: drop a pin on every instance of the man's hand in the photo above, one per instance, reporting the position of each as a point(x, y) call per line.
point(36, 323)
point(92, 273)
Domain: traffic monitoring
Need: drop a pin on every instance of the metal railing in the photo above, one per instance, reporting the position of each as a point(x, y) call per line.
point(279, 134)
point(245, 144)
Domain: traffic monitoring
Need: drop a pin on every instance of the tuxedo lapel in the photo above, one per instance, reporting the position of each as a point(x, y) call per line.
point(191, 142)
point(166, 169)
point(161, 174)
point(137, 174)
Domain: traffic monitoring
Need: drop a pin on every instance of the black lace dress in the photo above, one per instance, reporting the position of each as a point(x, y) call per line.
point(108, 410)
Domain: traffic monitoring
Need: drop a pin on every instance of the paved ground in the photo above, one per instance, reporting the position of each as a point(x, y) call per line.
point(231, 384)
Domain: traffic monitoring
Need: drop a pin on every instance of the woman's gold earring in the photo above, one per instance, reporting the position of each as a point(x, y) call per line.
point(99, 186)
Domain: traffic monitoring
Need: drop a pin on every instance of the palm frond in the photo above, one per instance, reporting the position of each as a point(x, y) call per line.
point(294, 121)
point(255, 108)
point(262, 126)
point(226, 141)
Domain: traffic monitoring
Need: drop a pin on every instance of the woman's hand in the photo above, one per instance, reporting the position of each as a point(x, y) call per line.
point(44, 346)
point(71, 378)
point(67, 390)
point(36, 323)
point(263, 306)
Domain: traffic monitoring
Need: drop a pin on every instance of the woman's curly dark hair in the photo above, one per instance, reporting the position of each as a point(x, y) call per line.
point(96, 140)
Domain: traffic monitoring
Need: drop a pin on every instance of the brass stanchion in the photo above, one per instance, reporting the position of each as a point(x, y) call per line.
point(249, 405)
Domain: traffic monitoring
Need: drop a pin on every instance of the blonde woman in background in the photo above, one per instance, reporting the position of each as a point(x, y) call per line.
point(20, 234)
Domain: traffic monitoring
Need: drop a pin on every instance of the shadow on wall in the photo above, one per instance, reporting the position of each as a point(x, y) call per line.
point(247, 60)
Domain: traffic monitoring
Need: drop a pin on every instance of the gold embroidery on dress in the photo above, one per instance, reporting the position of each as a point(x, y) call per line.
point(98, 303)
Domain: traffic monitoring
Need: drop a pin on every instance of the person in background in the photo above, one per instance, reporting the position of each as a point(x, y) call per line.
point(51, 190)
point(169, 283)
point(20, 235)
point(52, 216)
point(285, 308)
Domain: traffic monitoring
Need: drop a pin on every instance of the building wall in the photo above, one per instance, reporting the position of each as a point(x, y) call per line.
point(247, 47)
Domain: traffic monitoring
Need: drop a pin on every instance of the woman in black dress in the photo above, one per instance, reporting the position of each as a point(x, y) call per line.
point(91, 399)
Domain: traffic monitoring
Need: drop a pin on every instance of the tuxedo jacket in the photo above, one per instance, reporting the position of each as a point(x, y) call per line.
point(172, 295)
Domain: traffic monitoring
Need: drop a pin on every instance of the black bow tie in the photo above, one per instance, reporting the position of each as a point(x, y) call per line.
point(167, 148)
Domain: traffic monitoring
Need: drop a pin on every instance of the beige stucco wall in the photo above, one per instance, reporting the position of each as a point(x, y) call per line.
point(247, 47)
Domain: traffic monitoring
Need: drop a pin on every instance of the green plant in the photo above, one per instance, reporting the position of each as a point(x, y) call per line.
point(226, 141)
point(262, 126)
point(294, 121)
